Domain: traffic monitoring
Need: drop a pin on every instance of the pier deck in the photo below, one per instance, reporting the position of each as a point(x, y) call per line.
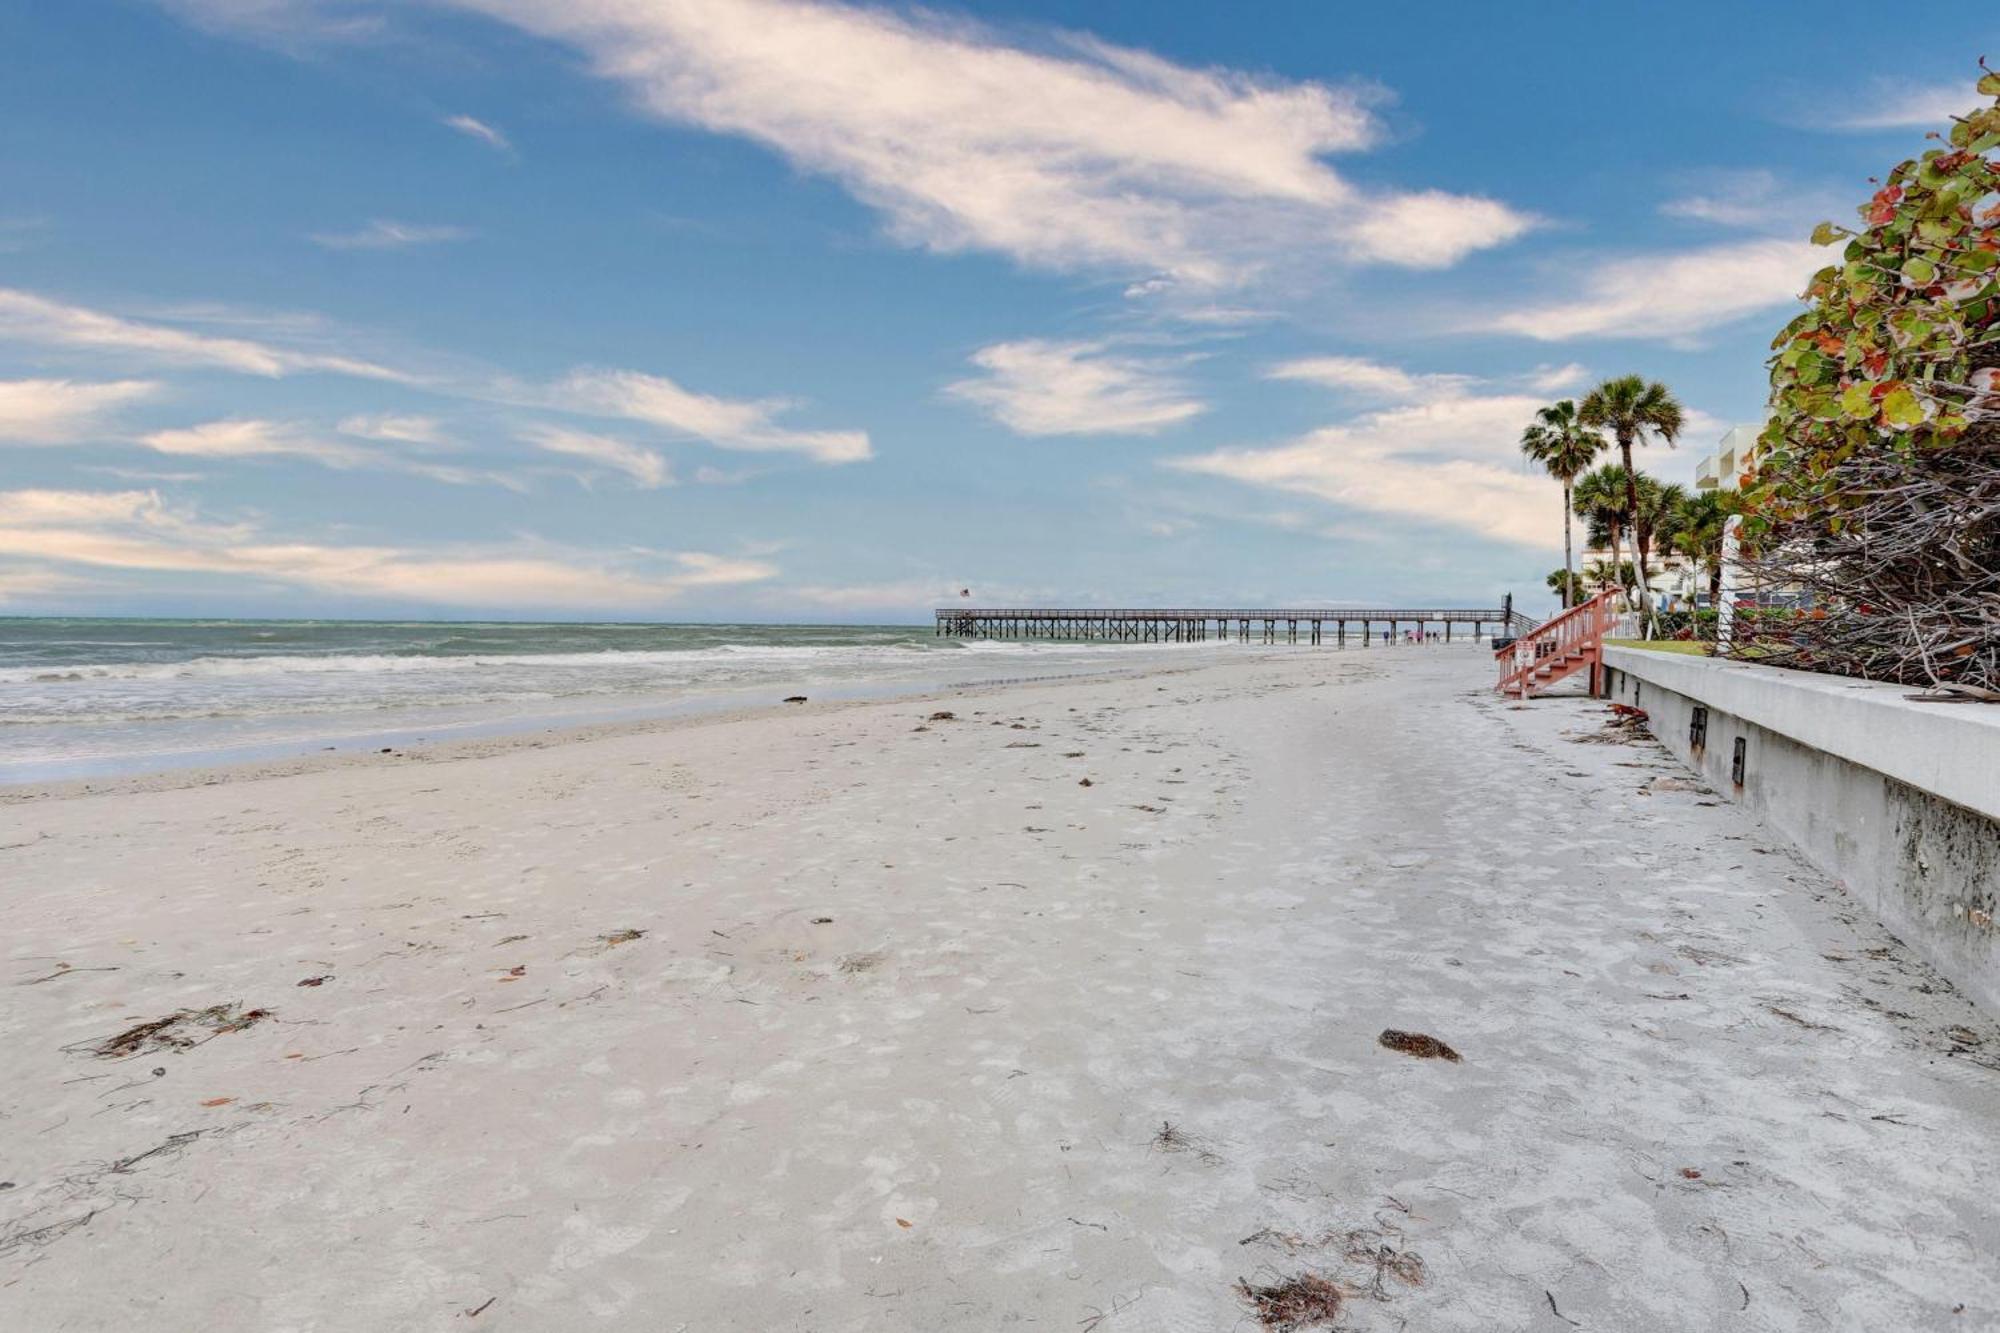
point(1202, 624)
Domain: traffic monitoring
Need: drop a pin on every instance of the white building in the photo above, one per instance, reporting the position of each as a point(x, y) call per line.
point(1723, 470)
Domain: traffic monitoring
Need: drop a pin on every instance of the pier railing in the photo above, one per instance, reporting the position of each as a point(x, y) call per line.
point(1192, 624)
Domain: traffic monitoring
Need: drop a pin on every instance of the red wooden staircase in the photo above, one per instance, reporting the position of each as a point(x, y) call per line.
point(1559, 648)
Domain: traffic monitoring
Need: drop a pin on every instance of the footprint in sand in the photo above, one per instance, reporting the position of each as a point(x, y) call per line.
point(695, 970)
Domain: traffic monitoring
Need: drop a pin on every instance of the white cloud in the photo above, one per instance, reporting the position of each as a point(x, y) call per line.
point(142, 473)
point(715, 476)
point(1734, 199)
point(384, 234)
point(740, 424)
point(644, 466)
point(728, 423)
point(27, 318)
point(1076, 155)
point(908, 596)
point(45, 411)
point(1453, 461)
point(394, 428)
point(137, 531)
point(452, 474)
point(474, 128)
point(1433, 229)
point(1555, 379)
point(1037, 387)
point(1368, 379)
point(1672, 296)
point(1903, 106)
point(249, 437)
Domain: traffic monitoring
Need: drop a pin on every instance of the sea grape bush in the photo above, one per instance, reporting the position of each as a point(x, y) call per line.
point(1874, 493)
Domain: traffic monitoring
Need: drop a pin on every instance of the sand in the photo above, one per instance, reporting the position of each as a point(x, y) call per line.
point(837, 1018)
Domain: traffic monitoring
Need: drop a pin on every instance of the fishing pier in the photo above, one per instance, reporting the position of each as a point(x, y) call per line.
point(1312, 625)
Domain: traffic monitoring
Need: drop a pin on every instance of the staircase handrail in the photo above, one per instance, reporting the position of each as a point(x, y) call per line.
point(1549, 627)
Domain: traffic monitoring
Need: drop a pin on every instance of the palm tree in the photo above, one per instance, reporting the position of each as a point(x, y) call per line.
point(1566, 448)
point(1632, 408)
point(1657, 521)
point(1602, 575)
point(1702, 519)
point(1598, 497)
point(1568, 585)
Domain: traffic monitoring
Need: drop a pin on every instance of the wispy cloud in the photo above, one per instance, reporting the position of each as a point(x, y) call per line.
point(474, 128)
point(43, 411)
point(1754, 200)
point(654, 400)
point(251, 437)
point(1733, 199)
point(644, 466)
point(137, 531)
point(394, 428)
point(21, 587)
point(1368, 379)
point(1071, 154)
point(1901, 105)
point(727, 423)
point(287, 24)
point(384, 234)
point(142, 473)
point(18, 233)
point(1556, 379)
point(39, 321)
point(903, 596)
point(254, 438)
point(1038, 387)
point(1667, 296)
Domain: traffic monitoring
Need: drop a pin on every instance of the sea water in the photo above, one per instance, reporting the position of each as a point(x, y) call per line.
point(85, 697)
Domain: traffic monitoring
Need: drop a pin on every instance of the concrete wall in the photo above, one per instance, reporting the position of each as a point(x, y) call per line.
point(1899, 801)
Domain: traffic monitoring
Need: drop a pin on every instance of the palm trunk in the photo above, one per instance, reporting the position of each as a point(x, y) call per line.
point(1569, 571)
point(1639, 535)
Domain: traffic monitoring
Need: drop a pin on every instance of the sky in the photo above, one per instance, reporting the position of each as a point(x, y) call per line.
point(789, 310)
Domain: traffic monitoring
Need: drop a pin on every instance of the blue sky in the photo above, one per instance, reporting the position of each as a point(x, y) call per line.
point(768, 309)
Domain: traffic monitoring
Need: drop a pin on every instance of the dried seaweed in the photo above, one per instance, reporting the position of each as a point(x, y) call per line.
point(1305, 1300)
point(1420, 1044)
point(179, 1031)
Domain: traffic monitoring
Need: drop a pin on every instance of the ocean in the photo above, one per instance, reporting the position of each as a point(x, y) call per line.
point(92, 697)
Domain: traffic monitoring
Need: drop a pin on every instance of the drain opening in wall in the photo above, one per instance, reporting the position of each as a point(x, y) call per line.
point(1736, 763)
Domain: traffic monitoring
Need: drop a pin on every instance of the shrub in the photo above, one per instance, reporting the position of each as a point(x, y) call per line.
point(1875, 492)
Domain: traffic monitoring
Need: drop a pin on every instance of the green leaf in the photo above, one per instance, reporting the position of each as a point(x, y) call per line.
point(1989, 84)
point(1901, 408)
point(1920, 271)
point(1826, 234)
point(1857, 401)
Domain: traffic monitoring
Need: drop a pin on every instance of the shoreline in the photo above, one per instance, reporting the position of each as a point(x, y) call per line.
point(521, 731)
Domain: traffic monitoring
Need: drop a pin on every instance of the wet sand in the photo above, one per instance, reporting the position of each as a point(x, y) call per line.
point(835, 1017)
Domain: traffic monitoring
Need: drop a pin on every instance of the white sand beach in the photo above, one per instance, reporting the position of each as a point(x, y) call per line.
point(1059, 1013)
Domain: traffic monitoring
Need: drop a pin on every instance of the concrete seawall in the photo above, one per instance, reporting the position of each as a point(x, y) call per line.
point(1900, 801)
